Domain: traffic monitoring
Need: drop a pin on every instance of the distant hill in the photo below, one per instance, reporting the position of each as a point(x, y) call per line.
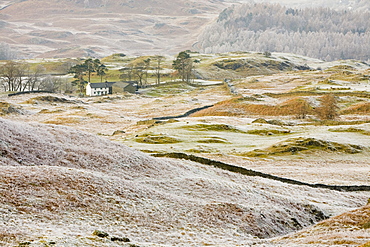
point(333, 4)
point(80, 28)
point(72, 28)
point(315, 32)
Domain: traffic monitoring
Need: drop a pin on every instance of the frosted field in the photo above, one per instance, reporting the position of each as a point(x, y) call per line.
point(59, 185)
point(70, 166)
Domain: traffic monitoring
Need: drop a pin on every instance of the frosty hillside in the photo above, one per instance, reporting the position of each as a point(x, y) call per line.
point(64, 175)
point(184, 123)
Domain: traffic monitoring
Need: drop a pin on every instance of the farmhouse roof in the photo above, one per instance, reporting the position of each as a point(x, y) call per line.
point(101, 85)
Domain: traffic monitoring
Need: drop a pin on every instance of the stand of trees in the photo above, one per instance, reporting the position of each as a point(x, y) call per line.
point(327, 110)
point(19, 77)
point(315, 32)
point(184, 65)
point(137, 71)
point(86, 68)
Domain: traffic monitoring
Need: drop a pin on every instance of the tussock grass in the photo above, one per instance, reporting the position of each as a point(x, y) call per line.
point(335, 122)
point(212, 127)
point(47, 111)
point(171, 88)
point(7, 235)
point(366, 225)
point(7, 108)
point(148, 122)
point(346, 75)
point(48, 99)
point(214, 139)
point(340, 68)
point(315, 93)
point(268, 132)
point(352, 130)
point(359, 218)
point(299, 145)
point(251, 67)
point(240, 107)
point(272, 122)
point(365, 245)
point(360, 108)
point(345, 229)
point(78, 108)
point(63, 183)
point(156, 139)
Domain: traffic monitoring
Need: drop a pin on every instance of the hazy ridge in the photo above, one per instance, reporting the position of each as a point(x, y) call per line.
point(315, 32)
point(100, 28)
point(38, 28)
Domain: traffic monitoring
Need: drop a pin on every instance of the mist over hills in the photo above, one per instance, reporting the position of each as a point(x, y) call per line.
point(75, 28)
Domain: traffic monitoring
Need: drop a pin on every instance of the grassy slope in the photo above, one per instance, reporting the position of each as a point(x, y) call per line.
point(59, 184)
point(351, 228)
point(70, 176)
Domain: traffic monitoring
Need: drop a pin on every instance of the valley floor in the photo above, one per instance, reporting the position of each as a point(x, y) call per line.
point(74, 165)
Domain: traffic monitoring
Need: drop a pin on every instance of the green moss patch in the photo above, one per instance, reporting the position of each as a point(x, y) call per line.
point(366, 225)
point(334, 122)
point(148, 122)
point(268, 132)
point(299, 145)
point(47, 111)
point(213, 127)
point(214, 139)
point(272, 122)
point(351, 130)
point(156, 139)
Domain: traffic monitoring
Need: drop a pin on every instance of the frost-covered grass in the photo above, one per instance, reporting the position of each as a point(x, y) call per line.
point(343, 230)
point(60, 185)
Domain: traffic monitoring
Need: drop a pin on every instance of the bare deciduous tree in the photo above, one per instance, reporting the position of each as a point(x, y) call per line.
point(328, 109)
point(14, 76)
point(159, 59)
point(303, 108)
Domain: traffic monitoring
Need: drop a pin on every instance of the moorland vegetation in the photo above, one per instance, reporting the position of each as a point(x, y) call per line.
point(300, 133)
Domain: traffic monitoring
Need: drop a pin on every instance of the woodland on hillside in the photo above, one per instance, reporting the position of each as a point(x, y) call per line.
point(315, 32)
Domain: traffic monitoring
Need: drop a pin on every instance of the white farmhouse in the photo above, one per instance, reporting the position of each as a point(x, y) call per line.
point(97, 89)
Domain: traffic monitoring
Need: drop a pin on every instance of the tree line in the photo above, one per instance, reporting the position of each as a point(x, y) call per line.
point(20, 76)
point(140, 69)
point(315, 32)
point(86, 68)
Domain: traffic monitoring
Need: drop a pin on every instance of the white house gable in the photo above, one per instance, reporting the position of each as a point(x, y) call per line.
point(97, 89)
